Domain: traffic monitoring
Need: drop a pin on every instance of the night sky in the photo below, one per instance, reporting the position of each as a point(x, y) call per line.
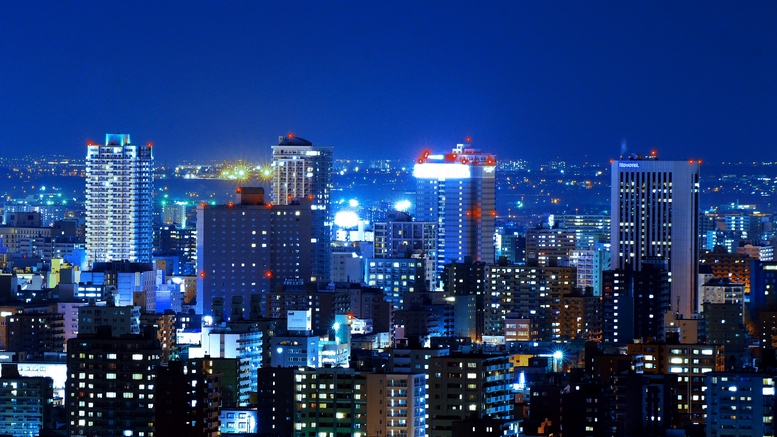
point(383, 79)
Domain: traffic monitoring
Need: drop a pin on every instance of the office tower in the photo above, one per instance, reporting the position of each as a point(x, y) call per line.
point(111, 385)
point(401, 237)
point(462, 386)
point(119, 185)
point(302, 170)
point(731, 266)
point(655, 213)
point(457, 191)
point(249, 246)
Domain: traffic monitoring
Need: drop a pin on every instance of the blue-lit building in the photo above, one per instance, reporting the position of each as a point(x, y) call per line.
point(456, 190)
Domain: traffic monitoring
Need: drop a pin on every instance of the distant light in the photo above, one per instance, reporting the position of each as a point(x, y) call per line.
point(346, 219)
point(558, 355)
point(402, 205)
point(336, 326)
point(353, 203)
point(279, 350)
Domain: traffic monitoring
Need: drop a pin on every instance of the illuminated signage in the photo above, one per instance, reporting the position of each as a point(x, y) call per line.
point(441, 171)
point(628, 165)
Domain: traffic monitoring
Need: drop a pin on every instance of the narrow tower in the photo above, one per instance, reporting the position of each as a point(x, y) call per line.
point(119, 184)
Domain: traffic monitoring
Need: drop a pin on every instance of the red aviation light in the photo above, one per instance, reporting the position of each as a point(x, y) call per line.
point(700, 161)
point(268, 274)
point(150, 144)
point(469, 139)
point(420, 160)
point(451, 157)
point(690, 161)
point(653, 152)
point(490, 160)
point(202, 274)
point(464, 161)
point(469, 213)
point(239, 190)
point(231, 204)
point(493, 213)
point(291, 135)
point(310, 197)
point(203, 204)
point(269, 205)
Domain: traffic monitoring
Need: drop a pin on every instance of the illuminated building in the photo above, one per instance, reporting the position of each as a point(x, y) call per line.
point(732, 266)
point(248, 246)
point(655, 213)
point(549, 247)
point(530, 292)
point(740, 404)
point(303, 402)
point(399, 278)
point(463, 386)
point(302, 170)
point(401, 237)
point(397, 404)
point(32, 335)
point(25, 410)
point(457, 191)
point(119, 185)
point(111, 384)
point(688, 363)
point(590, 229)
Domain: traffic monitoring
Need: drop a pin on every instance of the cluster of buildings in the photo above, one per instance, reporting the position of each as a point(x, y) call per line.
point(252, 318)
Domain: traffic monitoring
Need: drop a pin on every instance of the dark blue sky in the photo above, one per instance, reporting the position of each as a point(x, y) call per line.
point(534, 80)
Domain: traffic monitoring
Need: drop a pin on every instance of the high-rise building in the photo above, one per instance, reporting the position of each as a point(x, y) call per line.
point(457, 191)
point(655, 213)
point(302, 170)
point(249, 246)
point(119, 183)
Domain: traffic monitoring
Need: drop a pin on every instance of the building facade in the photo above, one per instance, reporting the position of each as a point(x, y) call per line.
point(457, 191)
point(119, 185)
point(655, 213)
point(304, 171)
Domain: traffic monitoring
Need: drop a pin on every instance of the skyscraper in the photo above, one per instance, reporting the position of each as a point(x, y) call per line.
point(655, 213)
point(119, 183)
point(457, 191)
point(302, 170)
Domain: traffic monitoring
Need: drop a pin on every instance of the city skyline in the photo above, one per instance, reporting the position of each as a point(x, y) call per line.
point(531, 81)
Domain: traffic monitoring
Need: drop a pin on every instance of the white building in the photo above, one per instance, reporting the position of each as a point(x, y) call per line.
point(655, 213)
point(119, 183)
point(302, 170)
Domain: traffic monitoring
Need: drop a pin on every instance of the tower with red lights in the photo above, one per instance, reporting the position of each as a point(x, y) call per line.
point(119, 215)
point(457, 191)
